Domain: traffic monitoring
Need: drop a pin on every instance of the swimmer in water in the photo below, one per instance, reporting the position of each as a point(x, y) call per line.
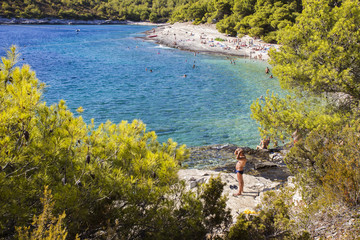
point(267, 70)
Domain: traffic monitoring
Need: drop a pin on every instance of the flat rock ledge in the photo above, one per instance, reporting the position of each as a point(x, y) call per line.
point(253, 187)
point(267, 163)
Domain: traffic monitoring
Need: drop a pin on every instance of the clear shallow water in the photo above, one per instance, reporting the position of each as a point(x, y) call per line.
point(103, 69)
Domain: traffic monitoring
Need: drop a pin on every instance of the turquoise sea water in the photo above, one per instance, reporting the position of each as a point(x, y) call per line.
point(103, 69)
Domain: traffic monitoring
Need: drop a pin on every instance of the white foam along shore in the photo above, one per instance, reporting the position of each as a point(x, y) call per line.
point(206, 38)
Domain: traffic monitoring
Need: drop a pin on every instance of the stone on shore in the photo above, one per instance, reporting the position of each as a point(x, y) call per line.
point(253, 187)
point(264, 171)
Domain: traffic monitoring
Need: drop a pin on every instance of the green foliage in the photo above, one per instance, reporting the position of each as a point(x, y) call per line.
point(273, 221)
point(321, 52)
point(244, 8)
point(216, 216)
point(219, 39)
point(90, 9)
point(45, 226)
point(153, 17)
point(227, 25)
point(268, 16)
point(328, 162)
point(114, 176)
point(198, 11)
point(281, 215)
point(279, 117)
point(258, 18)
point(318, 62)
point(193, 214)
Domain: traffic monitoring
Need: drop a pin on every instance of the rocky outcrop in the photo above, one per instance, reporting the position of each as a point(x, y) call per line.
point(253, 187)
point(267, 163)
point(265, 170)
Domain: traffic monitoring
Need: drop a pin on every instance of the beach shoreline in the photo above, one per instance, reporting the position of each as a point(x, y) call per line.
point(185, 36)
point(205, 38)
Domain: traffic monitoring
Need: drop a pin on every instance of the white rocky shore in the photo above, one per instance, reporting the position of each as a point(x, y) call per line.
point(207, 39)
point(253, 187)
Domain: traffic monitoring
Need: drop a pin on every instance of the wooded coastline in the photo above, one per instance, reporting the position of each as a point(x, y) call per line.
point(117, 181)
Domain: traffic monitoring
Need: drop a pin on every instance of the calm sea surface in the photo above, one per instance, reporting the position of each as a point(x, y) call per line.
point(103, 69)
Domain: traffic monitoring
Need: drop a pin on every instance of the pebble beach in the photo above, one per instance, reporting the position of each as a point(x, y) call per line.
point(205, 38)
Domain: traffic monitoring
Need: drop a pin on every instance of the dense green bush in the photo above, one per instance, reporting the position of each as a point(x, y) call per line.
point(284, 214)
point(45, 226)
point(272, 221)
point(319, 64)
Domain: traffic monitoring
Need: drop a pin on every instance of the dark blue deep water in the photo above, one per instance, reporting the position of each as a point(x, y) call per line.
point(103, 69)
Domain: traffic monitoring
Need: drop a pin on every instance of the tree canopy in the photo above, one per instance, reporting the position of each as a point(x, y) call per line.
point(321, 53)
point(257, 18)
point(139, 10)
point(318, 62)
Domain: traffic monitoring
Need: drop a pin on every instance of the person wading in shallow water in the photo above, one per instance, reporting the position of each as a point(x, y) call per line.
point(240, 156)
point(267, 70)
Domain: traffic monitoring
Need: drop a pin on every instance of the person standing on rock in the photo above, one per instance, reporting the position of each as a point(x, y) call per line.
point(241, 161)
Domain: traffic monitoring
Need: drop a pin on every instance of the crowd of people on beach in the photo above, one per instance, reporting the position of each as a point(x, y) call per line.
point(245, 46)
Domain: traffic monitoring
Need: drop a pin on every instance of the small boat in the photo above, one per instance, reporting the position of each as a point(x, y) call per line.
point(151, 36)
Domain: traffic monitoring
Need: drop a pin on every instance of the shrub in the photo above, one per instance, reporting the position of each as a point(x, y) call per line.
point(273, 220)
point(45, 226)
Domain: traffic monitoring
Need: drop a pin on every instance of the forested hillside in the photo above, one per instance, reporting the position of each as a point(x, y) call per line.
point(140, 10)
point(258, 18)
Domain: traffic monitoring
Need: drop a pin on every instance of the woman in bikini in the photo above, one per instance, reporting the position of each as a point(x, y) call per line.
point(240, 156)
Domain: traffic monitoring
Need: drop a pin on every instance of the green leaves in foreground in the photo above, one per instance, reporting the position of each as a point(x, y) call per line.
point(328, 162)
point(45, 226)
point(272, 221)
point(279, 117)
